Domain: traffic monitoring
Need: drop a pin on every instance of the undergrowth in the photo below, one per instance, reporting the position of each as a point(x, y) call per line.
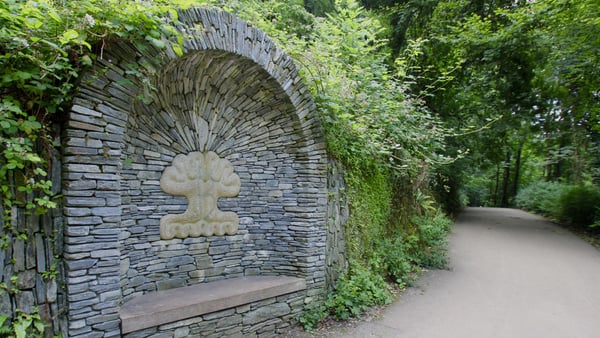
point(578, 205)
point(397, 261)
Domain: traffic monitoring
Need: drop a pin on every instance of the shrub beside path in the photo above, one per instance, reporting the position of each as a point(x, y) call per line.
point(511, 274)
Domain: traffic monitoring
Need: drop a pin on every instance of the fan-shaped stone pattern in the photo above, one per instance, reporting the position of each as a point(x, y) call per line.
point(222, 31)
point(202, 102)
point(202, 178)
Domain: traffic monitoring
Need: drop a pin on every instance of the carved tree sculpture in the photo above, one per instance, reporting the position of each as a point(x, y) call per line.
point(202, 178)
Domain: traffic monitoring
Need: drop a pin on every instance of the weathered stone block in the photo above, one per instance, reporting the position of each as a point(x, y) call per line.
point(5, 303)
point(170, 284)
point(265, 313)
point(25, 301)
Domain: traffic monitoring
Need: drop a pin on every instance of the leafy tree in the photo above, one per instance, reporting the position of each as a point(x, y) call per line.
point(479, 61)
point(319, 7)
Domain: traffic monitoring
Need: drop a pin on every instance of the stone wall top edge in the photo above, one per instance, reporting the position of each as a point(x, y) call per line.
point(228, 27)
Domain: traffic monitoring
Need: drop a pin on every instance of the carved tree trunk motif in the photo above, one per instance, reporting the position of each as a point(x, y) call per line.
point(203, 178)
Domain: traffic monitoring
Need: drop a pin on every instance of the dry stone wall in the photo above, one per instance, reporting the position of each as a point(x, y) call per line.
point(337, 215)
point(234, 93)
point(266, 318)
point(31, 273)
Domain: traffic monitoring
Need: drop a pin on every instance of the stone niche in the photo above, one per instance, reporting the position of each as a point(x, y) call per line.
point(213, 166)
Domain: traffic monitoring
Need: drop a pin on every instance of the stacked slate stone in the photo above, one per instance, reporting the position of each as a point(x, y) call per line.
point(337, 215)
point(30, 272)
point(266, 318)
point(235, 93)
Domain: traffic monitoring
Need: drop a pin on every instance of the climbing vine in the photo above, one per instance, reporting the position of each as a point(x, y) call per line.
point(44, 46)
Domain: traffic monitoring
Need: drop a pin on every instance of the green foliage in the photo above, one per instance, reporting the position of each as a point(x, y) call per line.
point(369, 195)
point(354, 293)
point(24, 325)
point(576, 204)
point(396, 257)
point(433, 240)
point(541, 197)
point(368, 116)
point(51, 273)
point(44, 45)
point(422, 245)
point(319, 7)
point(312, 315)
point(596, 224)
point(531, 62)
point(579, 205)
point(393, 258)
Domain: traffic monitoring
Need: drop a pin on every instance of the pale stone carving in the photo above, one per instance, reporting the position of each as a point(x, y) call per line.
point(202, 178)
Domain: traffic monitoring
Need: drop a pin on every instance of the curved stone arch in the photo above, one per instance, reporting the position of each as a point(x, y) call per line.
point(223, 31)
point(112, 198)
point(206, 85)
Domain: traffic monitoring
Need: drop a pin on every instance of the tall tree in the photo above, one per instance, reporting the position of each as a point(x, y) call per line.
point(531, 66)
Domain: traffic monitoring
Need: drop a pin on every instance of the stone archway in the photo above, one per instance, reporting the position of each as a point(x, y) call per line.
point(234, 95)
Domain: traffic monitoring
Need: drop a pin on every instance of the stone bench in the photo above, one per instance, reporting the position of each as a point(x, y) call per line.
point(167, 306)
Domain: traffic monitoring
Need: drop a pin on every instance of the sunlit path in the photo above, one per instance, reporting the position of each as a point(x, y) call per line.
point(511, 274)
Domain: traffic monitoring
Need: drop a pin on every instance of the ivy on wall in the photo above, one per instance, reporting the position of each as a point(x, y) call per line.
point(44, 46)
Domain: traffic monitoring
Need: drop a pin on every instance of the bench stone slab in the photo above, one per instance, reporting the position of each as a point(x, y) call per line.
point(157, 308)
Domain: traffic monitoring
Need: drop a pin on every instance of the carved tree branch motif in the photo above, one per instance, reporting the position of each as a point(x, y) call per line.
point(203, 178)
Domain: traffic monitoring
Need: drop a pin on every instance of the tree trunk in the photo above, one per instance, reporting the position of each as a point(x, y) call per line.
point(506, 181)
point(515, 189)
point(497, 185)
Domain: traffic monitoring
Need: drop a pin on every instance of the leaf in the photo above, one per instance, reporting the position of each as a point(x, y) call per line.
point(39, 325)
point(21, 75)
point(21, 328)
point(55, 46)
point(11, 105)
point(40, 171)
point(177, 49)
point(54, 16)
point(156, 42)
point(69, 36)
point(86, 60)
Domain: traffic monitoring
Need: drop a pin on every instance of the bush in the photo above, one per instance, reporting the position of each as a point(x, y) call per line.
point(579, 205)
point(313, 313)
point(433, 240)
point(394, 261)
point(541, 197)
point(354, 293)
point(399, 256)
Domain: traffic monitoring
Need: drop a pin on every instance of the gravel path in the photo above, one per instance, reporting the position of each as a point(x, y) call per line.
point(511, 275)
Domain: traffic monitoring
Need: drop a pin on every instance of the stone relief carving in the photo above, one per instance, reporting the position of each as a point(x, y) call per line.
point(203, 178)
